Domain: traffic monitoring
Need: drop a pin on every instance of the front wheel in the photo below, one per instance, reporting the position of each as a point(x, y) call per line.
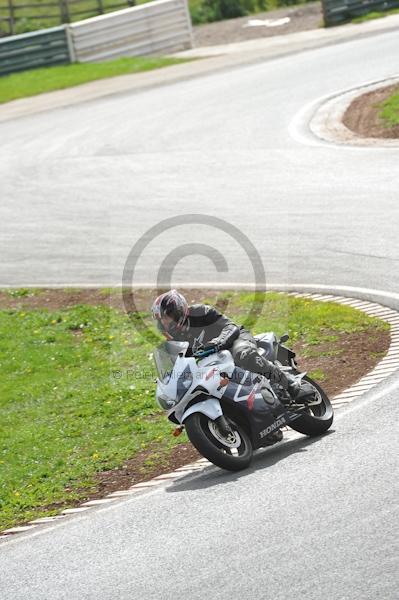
point(315, 419)
point(233, 452)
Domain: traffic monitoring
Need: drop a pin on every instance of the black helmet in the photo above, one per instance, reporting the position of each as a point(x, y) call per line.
point(173, 305)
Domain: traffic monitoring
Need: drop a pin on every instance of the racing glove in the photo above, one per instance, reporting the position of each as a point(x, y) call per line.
point(212, 345)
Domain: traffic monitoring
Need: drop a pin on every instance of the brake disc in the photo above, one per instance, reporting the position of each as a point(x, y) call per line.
point(232, 440)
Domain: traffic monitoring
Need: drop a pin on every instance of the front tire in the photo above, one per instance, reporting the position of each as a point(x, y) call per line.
point(210, 442)
point(315, 420)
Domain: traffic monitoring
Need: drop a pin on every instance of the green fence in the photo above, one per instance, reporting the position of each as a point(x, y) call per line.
point(37, 49)
point(338, 11)
point(150, 29)
point(24, 16)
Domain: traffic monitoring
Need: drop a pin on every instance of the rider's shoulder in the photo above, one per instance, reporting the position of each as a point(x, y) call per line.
point(200, 310)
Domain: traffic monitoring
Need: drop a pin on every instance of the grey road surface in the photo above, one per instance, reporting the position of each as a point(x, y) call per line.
point(311, 519)
point(81, 185)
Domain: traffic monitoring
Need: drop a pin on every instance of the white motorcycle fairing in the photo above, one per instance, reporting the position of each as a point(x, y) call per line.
point(213, 385)
point(209, 407)
point(189, 379)
point(240, 409)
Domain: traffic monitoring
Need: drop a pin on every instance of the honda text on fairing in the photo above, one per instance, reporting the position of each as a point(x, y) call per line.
point(228, 412)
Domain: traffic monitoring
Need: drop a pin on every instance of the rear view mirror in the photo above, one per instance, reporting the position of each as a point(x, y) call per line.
point(284, 338)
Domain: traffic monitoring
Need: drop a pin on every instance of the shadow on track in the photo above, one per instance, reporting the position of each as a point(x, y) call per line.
point(262, 459)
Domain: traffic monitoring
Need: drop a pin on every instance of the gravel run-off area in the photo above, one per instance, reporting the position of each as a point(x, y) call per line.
point(301, 18)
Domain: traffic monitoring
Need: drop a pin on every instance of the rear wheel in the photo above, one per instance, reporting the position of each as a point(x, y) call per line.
point(316, 418)
point(232, 452)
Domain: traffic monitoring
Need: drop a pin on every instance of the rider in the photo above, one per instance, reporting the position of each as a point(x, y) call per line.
point(204, 327)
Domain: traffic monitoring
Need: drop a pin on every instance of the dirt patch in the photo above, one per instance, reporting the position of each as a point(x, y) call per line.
point(56, 299)
point(362, 118)
point(52, 299)
point(355, 354)
point(301, 18)
point(134, 470)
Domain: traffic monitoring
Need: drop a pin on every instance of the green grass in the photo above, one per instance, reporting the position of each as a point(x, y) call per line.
point(310, 322)
point(389, 110)
point(77, 393)
point(375, 15)
point(47, 79)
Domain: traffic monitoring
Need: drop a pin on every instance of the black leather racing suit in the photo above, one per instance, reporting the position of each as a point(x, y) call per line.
point(207, 326)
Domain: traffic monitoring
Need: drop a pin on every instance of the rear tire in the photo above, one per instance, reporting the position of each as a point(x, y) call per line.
point(211, 447)
point(317, 419)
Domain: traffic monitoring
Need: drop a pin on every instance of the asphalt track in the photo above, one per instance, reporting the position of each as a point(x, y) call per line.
point(310, 519)
point(81, 185)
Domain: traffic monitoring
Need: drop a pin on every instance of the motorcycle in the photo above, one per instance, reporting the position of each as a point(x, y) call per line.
point(228, 412)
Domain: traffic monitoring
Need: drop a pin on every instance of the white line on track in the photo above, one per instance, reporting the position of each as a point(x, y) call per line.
point(358, 293)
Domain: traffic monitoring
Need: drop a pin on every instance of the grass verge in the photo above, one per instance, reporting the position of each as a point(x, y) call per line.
point(375, 15)
point(48, 79)
point(389, 110)
point(77, 389)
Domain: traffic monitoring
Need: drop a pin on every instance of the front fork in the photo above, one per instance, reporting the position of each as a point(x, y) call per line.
point(223, 425)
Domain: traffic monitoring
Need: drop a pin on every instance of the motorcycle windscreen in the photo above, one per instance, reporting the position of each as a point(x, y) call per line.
point(165, 357)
